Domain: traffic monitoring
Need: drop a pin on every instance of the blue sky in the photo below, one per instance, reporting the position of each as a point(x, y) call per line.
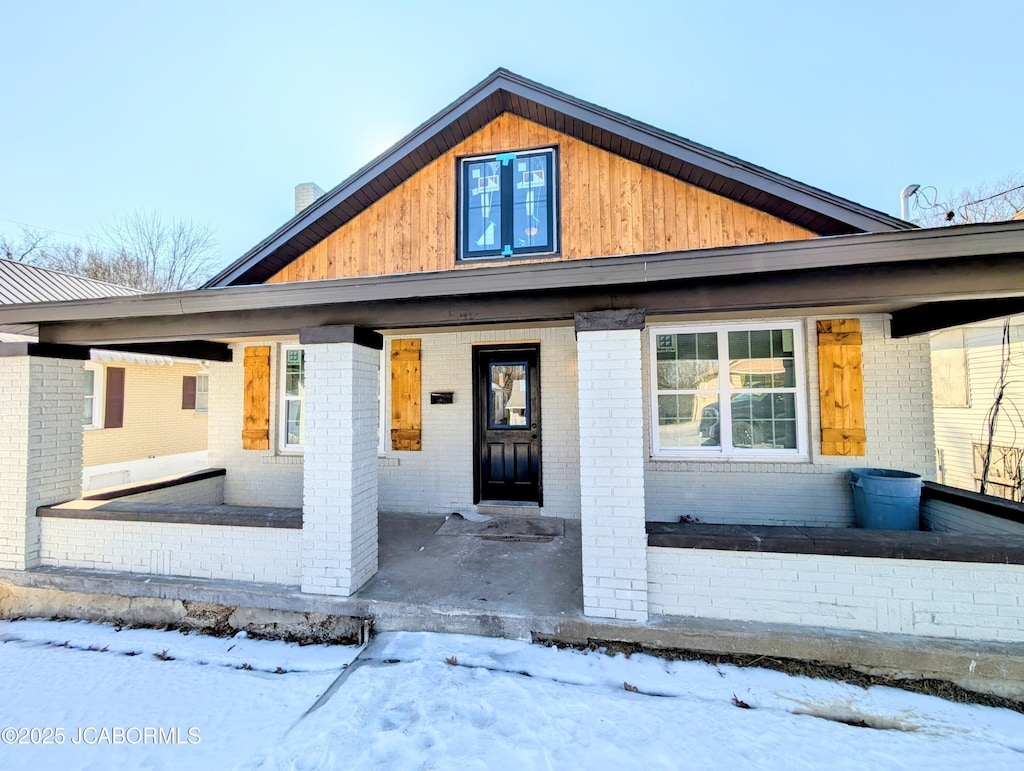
point(215, 110)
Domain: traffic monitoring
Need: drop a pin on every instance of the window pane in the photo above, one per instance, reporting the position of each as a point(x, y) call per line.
point(688, 420)
point(762, 358)
point(764, 421)
point(687, 362)
point(294, 427)
point(531, 199)
point(294, 373)
point(90, 392)
point(483, 205)
point(509, 395)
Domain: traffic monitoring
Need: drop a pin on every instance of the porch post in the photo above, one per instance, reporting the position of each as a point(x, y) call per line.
point(40, 444)
point(612, 464)
point(339, 486)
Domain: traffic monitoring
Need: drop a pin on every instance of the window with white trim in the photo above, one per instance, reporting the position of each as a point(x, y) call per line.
point(92, 407)
point(728, 391)
point(292, 402)
point(202, 392)
point(293, 397)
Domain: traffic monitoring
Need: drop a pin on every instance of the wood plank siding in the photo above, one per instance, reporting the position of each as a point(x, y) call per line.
point(608, 206)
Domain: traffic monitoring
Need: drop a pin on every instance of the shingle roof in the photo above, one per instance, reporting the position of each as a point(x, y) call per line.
point(504, 91)
point(24, 283)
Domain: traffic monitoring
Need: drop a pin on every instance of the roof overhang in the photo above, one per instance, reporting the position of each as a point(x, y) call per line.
point(885, 271)
point(504, 91)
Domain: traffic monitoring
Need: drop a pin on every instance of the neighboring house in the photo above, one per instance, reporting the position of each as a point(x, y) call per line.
point(978, 377)
point(144, 415)
point(532, 304)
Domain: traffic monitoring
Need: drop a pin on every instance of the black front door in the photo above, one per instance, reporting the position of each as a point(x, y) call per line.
point(506, 409)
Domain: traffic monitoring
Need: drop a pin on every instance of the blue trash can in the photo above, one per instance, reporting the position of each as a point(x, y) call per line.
point(885, 499)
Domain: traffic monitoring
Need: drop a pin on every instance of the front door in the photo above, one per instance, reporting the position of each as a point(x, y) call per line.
point(506, 409)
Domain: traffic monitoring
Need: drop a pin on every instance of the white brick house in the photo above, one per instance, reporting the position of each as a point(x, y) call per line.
point(536, 306)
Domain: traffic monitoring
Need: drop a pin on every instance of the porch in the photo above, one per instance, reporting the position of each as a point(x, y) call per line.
point(466, 584)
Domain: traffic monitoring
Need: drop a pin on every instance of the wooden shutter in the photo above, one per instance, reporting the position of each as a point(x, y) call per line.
point(405, 395)
point(113, 407)
point(841, 387)
point(256, 410)
point(188, 392)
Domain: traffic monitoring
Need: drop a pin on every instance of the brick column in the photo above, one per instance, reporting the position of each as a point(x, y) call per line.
point(612, 464)
point(339, 524)
point(40, 445)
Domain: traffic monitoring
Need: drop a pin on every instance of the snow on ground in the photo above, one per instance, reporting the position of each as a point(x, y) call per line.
point(449, 701)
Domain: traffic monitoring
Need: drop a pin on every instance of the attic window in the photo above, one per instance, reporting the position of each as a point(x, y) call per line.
point(507, 205)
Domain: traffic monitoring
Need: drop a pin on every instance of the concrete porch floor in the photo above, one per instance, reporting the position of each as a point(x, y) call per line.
point(469, 585)
point(417, 567)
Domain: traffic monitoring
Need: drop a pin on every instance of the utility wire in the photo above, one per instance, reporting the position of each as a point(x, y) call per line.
point(40, 227)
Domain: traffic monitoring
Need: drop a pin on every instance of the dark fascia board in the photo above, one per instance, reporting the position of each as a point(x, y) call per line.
point(932, 317)
point(45, 351)
point(1004, 239)
point(342, 333)
point(493, 96)
point(188, 349)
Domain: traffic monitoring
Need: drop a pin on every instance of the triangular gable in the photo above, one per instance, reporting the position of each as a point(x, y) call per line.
point(505, 92)
point(608, 206)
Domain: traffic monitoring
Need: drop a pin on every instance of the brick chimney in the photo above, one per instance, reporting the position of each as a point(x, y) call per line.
point(305, 194)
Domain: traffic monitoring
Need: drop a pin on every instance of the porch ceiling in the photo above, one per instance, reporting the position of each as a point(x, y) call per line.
point(881, 271)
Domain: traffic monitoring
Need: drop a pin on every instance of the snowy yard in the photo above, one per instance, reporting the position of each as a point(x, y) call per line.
point(445, 701)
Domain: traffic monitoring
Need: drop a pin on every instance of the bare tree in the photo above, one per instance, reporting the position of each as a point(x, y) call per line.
point(139, 250)
point(25, 248)
point(992, 202)
point(160, 256)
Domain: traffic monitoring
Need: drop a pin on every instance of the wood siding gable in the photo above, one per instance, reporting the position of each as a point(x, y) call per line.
point(608, 206)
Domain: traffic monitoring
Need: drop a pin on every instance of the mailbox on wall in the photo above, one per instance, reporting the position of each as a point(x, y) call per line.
point(442, 397)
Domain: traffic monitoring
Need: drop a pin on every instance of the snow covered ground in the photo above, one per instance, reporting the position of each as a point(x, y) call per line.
point(447, 701)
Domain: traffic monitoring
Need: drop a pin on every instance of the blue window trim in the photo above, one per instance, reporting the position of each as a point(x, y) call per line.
point(505, 248)
point(490, 402)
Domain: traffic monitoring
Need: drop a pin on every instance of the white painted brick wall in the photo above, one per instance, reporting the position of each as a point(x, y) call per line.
point(898, 417)
point(439, 479)
point(41, 451)
point(946, 517)
point(933, 599)
point(205, 492)
point(339, 529)
point(255, 477)
point(261, 554)
point(612, 474)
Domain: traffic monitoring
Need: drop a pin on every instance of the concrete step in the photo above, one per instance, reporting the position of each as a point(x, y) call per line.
point(508, 509)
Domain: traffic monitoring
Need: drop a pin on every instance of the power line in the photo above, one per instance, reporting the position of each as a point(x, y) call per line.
point(990, 197)
point(41, 227)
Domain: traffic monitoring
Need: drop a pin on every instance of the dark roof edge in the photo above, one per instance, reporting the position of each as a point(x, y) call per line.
point(958, 242)
point(356, 180)
point(716, 157)
point(857, 216)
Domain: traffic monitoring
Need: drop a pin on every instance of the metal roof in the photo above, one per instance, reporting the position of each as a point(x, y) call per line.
point(24, 283)
point(504, 91)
